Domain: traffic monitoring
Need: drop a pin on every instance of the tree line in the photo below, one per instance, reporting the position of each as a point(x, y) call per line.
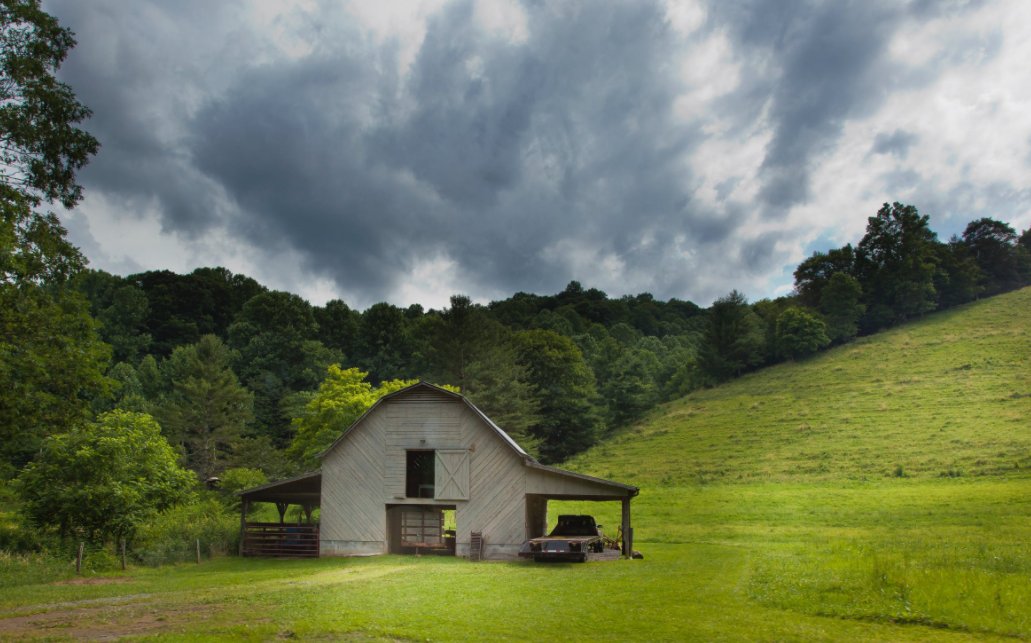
point(117, 394)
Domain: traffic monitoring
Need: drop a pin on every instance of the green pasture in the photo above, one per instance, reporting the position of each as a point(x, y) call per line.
point(879, 491)
point(893, 560)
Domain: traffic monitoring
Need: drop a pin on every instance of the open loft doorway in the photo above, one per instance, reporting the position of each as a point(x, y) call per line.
point(421, 529)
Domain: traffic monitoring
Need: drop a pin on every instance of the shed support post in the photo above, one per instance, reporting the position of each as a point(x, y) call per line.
point(628, 534)
point(245, 505)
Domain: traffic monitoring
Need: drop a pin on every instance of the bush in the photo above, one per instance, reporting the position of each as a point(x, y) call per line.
point(172, 536)
point(236, 480)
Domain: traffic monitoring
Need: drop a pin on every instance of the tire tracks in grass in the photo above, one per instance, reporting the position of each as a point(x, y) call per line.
point(147, 613)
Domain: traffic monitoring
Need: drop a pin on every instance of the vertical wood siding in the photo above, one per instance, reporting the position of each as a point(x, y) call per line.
point(366, 471)
point(352, 486)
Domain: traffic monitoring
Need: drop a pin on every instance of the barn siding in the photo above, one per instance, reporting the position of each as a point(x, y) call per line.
point(365, 472)
point(416, 422)
point(353, 519)
point(497, 492)
point(547, 483)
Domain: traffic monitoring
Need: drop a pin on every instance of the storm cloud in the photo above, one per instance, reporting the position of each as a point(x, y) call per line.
point(407, 152)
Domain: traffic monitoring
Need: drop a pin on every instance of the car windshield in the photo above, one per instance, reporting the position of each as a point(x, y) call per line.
point(575, 526)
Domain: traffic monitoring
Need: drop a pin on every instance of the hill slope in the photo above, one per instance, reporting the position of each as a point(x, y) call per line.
point(949, 395)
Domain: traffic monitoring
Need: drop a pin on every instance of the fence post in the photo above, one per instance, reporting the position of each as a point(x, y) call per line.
point(78, 559)
point(123, 554)
point(198, 551)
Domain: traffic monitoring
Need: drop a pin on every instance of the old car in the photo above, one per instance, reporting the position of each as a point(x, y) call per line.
point(573, 538)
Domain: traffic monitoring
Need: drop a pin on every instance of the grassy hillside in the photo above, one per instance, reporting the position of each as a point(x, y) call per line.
point(946, 396)
point(878, 492)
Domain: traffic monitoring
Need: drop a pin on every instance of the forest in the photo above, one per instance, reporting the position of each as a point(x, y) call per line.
point(238, 375)
point(212, 374)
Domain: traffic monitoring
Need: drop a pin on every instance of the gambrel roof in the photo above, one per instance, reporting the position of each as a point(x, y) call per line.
point(434, 389)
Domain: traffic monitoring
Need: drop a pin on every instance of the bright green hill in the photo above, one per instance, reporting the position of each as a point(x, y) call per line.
point(946, 396)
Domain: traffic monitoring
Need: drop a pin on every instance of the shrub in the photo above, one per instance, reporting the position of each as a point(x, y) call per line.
point(172, 536)
point(236, 480)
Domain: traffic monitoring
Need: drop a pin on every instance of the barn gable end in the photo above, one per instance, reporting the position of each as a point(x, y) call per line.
point(422, 451)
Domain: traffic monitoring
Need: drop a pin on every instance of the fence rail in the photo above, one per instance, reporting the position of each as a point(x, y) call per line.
point(273, 539)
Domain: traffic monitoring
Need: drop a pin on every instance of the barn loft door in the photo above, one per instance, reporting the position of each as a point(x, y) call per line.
point(452, 475)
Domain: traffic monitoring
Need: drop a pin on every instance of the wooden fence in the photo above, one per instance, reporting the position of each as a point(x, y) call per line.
point(278, 540)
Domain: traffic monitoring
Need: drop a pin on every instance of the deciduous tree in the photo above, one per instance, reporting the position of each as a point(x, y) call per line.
point(800, 333)
point(101, 480)
point(896, 263)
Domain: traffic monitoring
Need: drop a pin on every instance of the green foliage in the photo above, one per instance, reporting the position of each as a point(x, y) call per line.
point(338, 326)
point(237, 479)
point(993, 245)
point(275, 336)
point(565, 389)
point(814, 274)
point(800, 333)
point(51, 365)
point(958, 279)
point(498, 384)
point(182, 308)
point(41, 147)
point(206, 408)
point(896, 263)
point(171, 536)
point(103, 479)
point(383, 345)
point(842, 307)
point(465, 346)
point(735, 338)
point(342, 398)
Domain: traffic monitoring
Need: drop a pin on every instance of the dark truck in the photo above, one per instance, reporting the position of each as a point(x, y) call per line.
point(573, 538)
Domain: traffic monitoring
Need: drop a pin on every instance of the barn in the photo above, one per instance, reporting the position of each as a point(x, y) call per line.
point(423, 470)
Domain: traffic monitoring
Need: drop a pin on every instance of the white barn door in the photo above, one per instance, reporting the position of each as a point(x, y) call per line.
point(452, 475)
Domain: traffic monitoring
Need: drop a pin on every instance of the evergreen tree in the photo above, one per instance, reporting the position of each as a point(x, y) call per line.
point(735, 338)
point(565, 388)
point(842, 307)
point(206, 409)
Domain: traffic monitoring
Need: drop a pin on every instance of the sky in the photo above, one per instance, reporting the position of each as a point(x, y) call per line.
point(408, 151)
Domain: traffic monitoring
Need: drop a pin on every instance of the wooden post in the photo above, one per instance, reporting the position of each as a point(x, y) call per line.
point(78, 559)
point(628, 534)
point(198, 551)
point(123, 554)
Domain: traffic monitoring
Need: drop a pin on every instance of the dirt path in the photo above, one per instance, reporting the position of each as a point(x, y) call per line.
point(98, 623)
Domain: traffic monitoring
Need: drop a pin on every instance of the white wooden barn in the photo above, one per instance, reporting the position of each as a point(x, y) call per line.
point(423, 470)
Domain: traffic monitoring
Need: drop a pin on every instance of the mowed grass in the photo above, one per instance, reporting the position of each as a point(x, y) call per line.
point(881, 491)
point(946, 396)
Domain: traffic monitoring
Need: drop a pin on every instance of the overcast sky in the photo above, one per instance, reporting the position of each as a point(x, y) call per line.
point(406, 151)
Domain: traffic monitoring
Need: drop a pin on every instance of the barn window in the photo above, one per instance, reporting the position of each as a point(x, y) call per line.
point(419, 474)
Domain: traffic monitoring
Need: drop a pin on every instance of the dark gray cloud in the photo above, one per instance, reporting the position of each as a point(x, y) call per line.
point(524, 161)
point(896, 143)
point(822, 64)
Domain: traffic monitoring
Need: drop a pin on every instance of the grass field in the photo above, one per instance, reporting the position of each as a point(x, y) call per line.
point(880, 491)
